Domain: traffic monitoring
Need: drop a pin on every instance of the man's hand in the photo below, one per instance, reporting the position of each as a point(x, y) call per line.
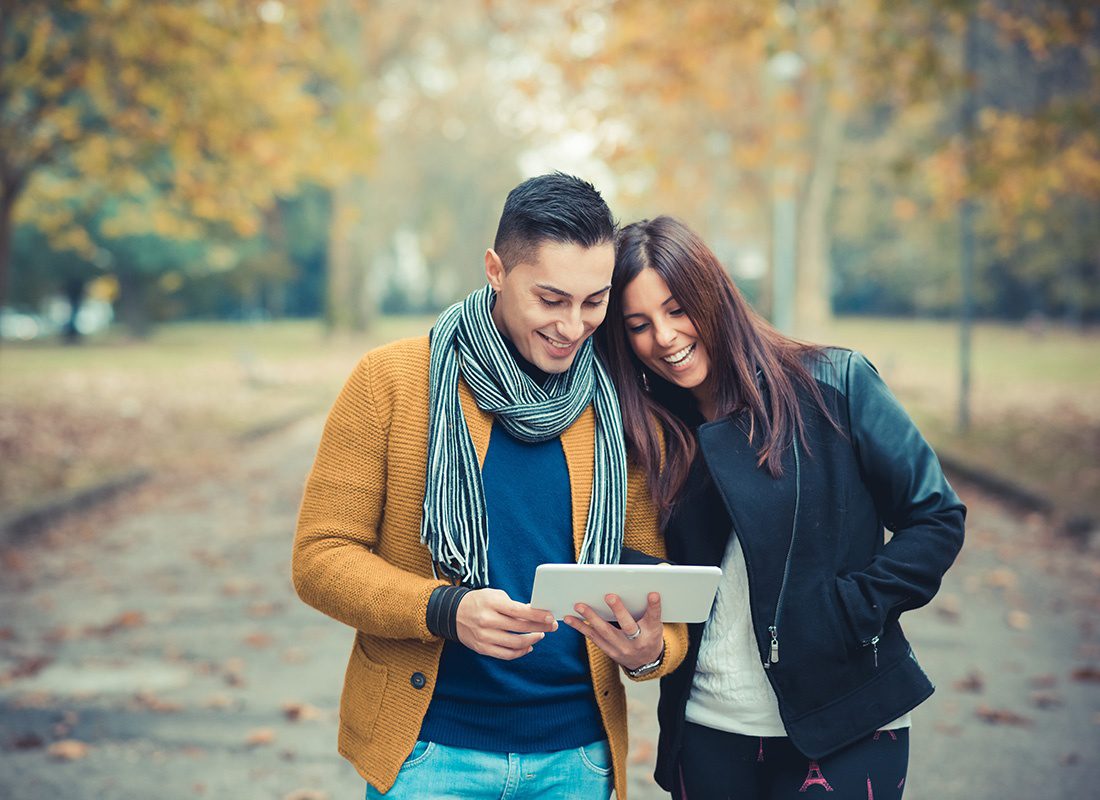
point(491, 623)
point(631, 644)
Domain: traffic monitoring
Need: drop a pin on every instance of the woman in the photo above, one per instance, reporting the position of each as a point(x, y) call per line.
point(782, 462)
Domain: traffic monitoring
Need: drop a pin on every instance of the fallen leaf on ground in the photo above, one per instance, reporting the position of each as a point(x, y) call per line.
point(949, 607)
point(218, 701)
point(258, 640)
point(1018, 620)
point(125, 620)
point(294, 655)
point(1001, 578)
point(150, 701)
point(67, 750)
point(260, 736)
point(259, 610)
point(974, 681)
point(298, 712)
point(1000, 716)
point(25, 741)
point(641, 753)
point(27, 668)
point(1086, 674)
point(306, 794)
point(1045, 681)
point(1046, 699)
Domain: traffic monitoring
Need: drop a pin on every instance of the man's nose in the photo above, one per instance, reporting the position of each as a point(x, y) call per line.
point(572, 326)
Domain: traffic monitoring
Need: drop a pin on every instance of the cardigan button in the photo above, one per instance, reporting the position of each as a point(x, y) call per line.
point(418, 680)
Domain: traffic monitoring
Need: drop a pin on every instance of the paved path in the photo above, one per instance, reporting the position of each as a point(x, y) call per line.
point(154, 648)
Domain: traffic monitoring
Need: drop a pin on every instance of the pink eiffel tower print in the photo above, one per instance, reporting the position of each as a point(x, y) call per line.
point(815, 778)
point(891, 734)
point(760, 752)
point(870, 791)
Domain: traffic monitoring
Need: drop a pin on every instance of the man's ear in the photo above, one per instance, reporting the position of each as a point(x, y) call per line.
point(494, 269)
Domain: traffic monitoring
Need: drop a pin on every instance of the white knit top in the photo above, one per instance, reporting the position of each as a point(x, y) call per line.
point(730, 691)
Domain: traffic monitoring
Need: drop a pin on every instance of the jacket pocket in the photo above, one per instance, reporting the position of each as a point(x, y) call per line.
point(836, 642)
point(364, 688)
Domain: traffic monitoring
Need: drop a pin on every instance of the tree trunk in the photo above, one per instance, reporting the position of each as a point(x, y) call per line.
point(813, 301)
point(338, 269)
point(133, 310)
point(74, 293)
point(348, 303)
point(9, 192)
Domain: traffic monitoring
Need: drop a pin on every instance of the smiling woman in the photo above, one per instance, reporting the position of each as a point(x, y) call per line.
point(778, 460)
point(663, 337)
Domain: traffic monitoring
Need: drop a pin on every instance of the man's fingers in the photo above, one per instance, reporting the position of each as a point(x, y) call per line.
point(499, 644)
point(525, 626)
point(537, 619)
point(503, 653)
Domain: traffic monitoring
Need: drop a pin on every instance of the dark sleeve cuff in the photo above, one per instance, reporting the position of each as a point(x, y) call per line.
point(632, 556)
point(443, 611)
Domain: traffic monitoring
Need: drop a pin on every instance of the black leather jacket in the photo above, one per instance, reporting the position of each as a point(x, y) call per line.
point(825, 587)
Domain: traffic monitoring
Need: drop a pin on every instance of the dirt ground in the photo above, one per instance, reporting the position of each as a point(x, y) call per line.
point(154, 647)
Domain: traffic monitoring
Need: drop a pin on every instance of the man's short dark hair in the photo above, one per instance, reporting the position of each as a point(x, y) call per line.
point(554, 207)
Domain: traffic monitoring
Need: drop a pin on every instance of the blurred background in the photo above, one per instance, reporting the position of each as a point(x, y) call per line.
point(210, 209)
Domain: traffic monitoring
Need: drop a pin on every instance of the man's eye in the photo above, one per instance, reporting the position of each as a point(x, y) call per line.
point(550, 303)
point(595, 303)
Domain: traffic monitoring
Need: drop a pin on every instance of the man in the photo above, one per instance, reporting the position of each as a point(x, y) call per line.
point(450, 467)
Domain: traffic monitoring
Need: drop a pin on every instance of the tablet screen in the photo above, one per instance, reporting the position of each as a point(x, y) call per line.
point(687, 592)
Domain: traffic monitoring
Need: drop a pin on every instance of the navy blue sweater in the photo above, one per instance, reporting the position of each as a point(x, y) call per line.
point(542, 701)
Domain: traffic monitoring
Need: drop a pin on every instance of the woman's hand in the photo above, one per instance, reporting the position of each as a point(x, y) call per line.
point(633, 643)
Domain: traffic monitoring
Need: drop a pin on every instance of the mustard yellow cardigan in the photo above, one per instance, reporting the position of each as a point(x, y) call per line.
point(358, 556)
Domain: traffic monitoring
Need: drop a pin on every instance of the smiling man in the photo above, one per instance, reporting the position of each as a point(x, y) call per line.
point(450, 467)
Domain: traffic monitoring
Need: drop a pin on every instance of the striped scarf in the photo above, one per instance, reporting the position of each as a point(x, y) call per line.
point(465, 341)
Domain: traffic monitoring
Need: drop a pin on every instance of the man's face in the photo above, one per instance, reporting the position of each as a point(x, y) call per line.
point(550, 304)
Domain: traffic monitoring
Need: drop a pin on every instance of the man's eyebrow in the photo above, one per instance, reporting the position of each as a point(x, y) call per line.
point(564, 293)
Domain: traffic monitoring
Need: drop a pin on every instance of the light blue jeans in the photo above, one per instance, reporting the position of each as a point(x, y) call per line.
point(440, 772)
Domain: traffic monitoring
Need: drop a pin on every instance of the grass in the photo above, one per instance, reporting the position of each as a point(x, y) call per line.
point(73, 416)
point(70, 416)
point(1035, 399)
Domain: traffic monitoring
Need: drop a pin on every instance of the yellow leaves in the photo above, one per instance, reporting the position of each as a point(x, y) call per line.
point(905, 209)
point(104, 288)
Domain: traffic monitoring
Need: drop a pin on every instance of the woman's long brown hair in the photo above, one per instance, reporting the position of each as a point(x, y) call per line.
point(740, 346)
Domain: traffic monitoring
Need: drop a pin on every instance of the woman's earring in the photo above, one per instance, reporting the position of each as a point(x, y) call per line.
point(645, 380)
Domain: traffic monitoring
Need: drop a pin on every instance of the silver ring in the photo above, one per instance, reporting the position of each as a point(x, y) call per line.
point(632, 636)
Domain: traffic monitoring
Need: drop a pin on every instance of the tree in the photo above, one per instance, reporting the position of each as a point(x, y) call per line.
point(188, 116)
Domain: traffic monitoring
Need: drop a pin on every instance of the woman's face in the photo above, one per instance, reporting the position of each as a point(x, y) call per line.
point(662, 336)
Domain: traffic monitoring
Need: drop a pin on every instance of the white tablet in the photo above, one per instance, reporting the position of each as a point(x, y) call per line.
point(687, 593)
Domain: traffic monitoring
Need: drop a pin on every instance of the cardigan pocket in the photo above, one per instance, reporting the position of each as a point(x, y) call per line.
point(364, 688)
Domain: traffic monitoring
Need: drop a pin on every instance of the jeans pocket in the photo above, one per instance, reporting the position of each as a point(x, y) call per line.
point(596, 757)
point(421, 752)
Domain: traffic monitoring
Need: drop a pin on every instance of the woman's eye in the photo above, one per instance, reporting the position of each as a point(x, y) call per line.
point(676, 312)
point(637, 328)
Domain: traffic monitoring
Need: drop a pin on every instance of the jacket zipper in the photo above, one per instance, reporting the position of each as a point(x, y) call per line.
point(773, 629)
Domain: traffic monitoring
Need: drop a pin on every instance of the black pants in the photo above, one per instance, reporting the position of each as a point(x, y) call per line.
point(715, 765)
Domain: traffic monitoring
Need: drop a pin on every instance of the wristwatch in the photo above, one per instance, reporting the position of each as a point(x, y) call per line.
point(645, 669)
